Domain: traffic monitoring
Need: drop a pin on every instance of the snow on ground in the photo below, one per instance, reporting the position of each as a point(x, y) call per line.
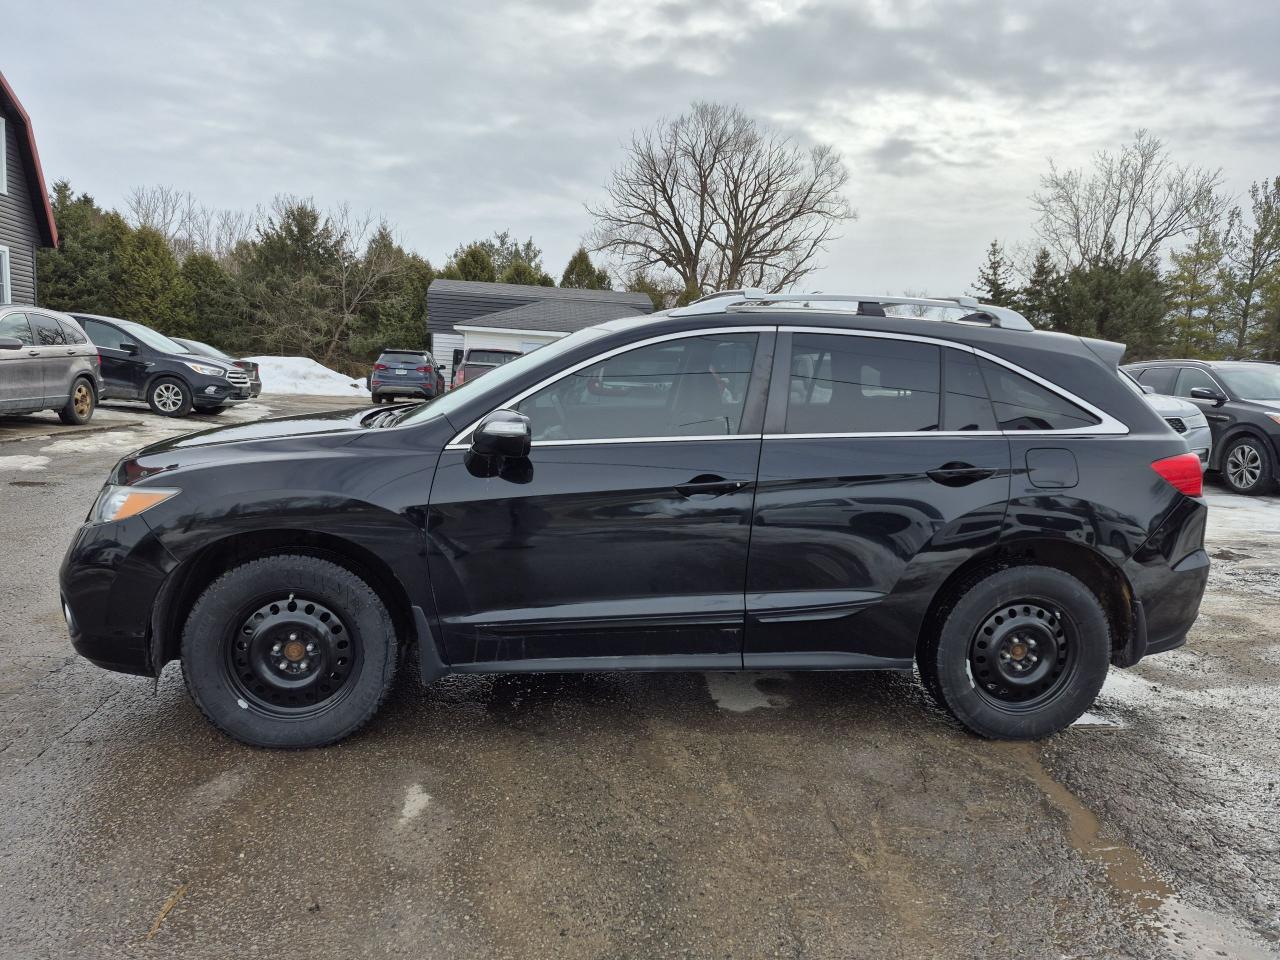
point(24, 463)
point(302, 375)
point(1232, 517)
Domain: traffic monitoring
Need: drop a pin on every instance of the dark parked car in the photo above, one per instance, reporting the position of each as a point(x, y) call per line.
point(1241, 401)
point(47, 363)
point(752, 481)
point(139, 363)
point(202, 349)
point(405, 373)
point(476, 362)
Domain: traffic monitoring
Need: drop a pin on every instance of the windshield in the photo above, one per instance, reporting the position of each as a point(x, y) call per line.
point(1260, 381)
point(205, 350)
point(154, 340)
point(448, 403)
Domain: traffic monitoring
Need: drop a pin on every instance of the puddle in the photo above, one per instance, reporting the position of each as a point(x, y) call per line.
point(1187, 931)
point(742, 692)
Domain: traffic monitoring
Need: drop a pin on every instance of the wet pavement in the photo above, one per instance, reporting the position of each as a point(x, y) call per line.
point(638, 815)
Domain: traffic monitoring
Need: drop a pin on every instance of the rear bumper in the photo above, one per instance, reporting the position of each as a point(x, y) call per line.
point(1168, 575)
point(385, 389)
point(109, 581)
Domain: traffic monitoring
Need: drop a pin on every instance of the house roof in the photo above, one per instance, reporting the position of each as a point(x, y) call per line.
point(30, 158)
point(452, 303)
point(557, 316)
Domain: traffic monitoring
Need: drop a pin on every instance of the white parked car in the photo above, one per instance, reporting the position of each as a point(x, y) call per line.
point(1183, 416)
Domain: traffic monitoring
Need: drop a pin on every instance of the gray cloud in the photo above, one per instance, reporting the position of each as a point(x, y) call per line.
point(456, 119)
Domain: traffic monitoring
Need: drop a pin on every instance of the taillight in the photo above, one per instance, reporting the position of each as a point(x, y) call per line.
point(379, 366)
point(98, 357)
point(422, 369)
point(459, 376)
point(1182, 473)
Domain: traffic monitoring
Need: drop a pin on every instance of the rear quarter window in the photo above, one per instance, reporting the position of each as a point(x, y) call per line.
point(1023, 404)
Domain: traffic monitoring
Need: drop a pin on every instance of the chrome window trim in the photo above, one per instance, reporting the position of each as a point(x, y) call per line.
point(457, 442)
point(1107, 425)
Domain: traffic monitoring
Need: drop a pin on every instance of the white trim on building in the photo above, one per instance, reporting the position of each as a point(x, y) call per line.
point(6, 281)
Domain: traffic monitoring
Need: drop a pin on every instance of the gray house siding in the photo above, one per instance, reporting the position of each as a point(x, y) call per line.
point(18, 230)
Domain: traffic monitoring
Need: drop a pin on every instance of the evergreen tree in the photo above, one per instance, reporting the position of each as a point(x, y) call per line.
point(217, 305)
point(1113, 301)
point(77, 274)
point(471, 263)
point(1252, 255)
point(582, 274)
point(148, 286)
point(1196, 296)
point(641, 282)
point(518, 271)
point(995, 283)
point(1038, 297)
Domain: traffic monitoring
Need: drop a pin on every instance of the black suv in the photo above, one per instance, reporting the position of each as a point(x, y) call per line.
point(751, 482)
point(139, 363)
point(405, 373)
point(1241, 401)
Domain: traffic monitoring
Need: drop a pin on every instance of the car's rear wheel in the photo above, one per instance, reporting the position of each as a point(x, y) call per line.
point(81, 404)
point(1021, 654)
point(1246, 466)
point(169, 397)
point(289, 651)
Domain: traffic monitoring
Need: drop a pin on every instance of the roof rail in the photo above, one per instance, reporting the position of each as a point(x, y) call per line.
point(727, 300)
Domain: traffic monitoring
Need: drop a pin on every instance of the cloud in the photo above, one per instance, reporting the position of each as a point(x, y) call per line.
point(457, 119)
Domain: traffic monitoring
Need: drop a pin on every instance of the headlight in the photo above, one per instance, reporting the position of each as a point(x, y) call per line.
point(1274, 417)
point(119, 503)
point(207, 370)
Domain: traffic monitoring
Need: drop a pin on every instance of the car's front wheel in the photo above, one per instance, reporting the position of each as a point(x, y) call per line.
point(289, 651)
point(169, 397)
point(1021, 654)
point(80, 405)
point(1246, 466)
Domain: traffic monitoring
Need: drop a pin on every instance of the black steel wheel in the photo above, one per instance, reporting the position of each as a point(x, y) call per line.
point(1020, 653)
point(1023, 653)
point(292, 655)
point(289, 650)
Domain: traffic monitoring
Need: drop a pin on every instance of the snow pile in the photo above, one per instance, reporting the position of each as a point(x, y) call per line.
point(302, 375)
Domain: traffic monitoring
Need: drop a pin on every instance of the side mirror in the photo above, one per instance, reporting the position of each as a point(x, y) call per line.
point(1208, 393)
point(440, 368)
point(130, 348)
point(10, 343)
point(1147, 388)
point(503, 433)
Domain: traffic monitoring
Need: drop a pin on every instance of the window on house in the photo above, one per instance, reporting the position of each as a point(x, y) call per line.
point(6, 285)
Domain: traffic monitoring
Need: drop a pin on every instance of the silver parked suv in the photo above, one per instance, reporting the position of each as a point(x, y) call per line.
point(47, 363)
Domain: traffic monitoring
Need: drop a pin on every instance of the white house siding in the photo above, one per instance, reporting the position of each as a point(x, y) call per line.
point(442, 347)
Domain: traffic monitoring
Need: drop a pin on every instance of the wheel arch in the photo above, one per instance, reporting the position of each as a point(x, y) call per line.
point(184, 586)
point(1106, 580)
point(1235, 432)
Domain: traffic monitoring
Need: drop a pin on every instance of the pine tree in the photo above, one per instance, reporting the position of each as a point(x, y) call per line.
point(582, 274)
point(77, 274)
point(149, 288)
point(217, 306)
point(1196, 295)
point(471, 263)
point(995, 284)
point(1038, 298)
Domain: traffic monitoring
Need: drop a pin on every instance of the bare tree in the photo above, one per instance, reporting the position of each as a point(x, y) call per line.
point(1252, 255)
point(1127, 207)
point(721, 203)
point(188, 226)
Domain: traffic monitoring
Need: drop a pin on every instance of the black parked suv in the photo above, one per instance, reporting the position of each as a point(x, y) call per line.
point(754, 481)
point(139, 363)
point(1241, 401)
point(405, 373)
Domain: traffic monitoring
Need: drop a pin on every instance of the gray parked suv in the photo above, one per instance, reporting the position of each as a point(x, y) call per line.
point(47, 363)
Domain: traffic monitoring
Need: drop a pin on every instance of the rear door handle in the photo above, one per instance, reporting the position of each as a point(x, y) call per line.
point(958, 474)
point(33, 353)
point(708, 484)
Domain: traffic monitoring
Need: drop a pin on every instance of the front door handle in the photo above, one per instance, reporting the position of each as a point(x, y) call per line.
point(33, 353)
point(708, 484)
point(959, 474)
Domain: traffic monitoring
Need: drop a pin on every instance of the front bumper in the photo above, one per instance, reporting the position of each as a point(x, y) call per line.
point(109, 581)
point(1168, 575)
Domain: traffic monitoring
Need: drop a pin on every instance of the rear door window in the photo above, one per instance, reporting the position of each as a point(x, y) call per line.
point(852, 384)
point(1023, 404)
point(15, 325)
point(966, 405)
point(101, 334)
point(72, 332)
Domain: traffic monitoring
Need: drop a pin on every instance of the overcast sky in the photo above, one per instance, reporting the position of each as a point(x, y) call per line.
point(457, 119)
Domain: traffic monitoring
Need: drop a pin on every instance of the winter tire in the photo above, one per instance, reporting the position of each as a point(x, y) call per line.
point(289, 651)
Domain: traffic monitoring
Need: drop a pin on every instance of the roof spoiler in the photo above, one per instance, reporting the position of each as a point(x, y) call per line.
point(1108, 351)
